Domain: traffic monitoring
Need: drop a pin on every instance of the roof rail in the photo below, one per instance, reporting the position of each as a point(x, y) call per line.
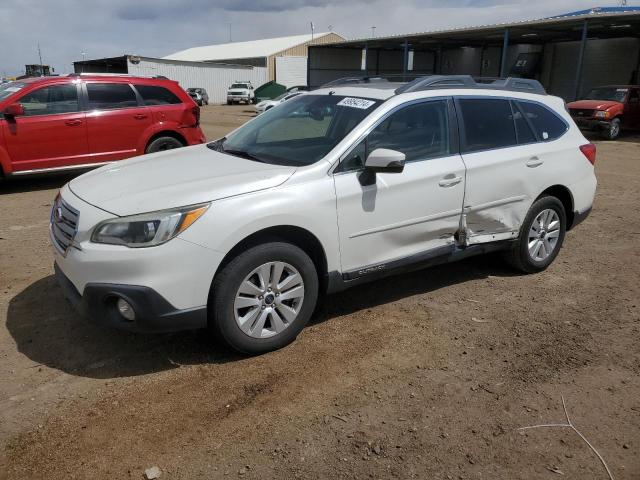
point(354, 80)
point(95, 74)
point(467, 81)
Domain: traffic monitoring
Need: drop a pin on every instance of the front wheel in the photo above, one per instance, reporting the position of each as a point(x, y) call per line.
point(541, 236)
point(263, 298)
point(612, 131)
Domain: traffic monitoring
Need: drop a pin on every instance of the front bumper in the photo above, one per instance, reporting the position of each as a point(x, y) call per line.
point(153, 313)
point(591, 123)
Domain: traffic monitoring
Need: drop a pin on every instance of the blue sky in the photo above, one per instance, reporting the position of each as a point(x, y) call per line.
point(66, 28)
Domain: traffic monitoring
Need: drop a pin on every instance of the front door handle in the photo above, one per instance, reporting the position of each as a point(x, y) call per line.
point(450, 180)
point(74, 122)
point(534, 162)
point(140, 116)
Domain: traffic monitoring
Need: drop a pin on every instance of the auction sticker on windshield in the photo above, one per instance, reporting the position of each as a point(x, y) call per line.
point(355, 103)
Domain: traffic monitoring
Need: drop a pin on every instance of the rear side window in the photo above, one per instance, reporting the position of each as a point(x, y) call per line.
point(110, 96)
point(488, 124)
point(156, 95)
point(547, 125)
point(51, 100)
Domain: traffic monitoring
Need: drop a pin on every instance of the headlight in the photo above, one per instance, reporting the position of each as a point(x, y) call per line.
point(147, 229)
point(602, 114)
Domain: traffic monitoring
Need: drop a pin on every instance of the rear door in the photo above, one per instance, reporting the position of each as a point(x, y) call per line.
point(511, 150)
point(52, 133)
point(116, 121)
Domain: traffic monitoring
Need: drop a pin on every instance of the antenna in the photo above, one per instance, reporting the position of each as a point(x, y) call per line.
point(313, 27)
point(40, 57)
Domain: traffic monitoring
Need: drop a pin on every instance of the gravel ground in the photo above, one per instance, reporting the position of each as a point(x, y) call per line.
point(426, 375)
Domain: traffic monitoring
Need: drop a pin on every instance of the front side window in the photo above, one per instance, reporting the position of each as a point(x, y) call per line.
point(420, 131)
point(153, 95)
point(547, 125)
point(300, 131)
point(51, 100)
point(111, 96)
point(488, 124)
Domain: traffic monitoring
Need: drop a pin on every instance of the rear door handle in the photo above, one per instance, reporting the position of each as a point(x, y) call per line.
point(534, 162)
point(73, 123)
point(450, 180)
point(140, 116)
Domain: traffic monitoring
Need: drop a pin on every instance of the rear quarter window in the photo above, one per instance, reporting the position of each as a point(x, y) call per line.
point(546, 124)
point(153, 95)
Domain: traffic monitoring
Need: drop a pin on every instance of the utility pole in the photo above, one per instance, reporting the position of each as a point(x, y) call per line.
point(313, 27)
point(373, 31)
point(229, 32)
point(40, 57)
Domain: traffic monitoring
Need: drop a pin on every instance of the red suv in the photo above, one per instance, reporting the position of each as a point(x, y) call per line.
point(79, 121)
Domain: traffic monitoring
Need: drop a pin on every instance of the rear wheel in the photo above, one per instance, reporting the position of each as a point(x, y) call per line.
point(263, 298)
point(161, 144)
point(613, 130)
point(541, 236)
point(229, 102)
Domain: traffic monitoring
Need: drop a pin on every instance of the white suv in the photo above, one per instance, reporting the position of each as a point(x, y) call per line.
point(331, 189)
point(241, 92)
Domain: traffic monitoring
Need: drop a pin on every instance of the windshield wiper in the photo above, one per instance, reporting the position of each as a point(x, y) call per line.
point(242, 154)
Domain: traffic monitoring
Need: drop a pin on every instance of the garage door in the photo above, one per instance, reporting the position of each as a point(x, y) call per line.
point(291, 71)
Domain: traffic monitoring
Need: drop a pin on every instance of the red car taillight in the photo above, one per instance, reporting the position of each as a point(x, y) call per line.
point(196, 114)
point(589, 151)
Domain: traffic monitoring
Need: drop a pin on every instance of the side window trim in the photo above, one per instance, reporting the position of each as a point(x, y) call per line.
point(453, 133)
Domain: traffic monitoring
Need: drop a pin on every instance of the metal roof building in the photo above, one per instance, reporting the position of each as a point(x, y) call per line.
point(569, 53)
point(285, 58)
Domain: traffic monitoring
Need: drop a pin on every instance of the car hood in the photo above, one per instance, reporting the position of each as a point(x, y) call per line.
point(593, 104)
point(174, 178)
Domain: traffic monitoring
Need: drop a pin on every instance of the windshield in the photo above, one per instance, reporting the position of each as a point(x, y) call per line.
point(607, 93)
point(299, 132)
point(239, 85)
point(8, 89)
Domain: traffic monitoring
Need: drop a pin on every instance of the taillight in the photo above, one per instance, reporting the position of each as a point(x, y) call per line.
point(196, 114)
point(589, 151)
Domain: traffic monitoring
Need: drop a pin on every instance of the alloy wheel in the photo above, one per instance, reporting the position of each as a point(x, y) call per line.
point(269, 299)
point(544, 234)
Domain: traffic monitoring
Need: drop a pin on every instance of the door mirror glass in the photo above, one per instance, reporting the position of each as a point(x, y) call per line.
point(14, 110)
point(385, 160)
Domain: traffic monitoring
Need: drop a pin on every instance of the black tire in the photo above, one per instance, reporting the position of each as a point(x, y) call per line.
point(161, 144)
point(518, 257)
point(222, 321)
point(612, 131)
point(229, 102)
point(254, 100)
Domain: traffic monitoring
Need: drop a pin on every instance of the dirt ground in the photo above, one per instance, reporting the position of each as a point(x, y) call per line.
point(427, 375)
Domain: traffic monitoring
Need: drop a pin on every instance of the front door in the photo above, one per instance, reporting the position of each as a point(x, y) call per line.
point(52, 133)
point(400, 215)
point(116, 123)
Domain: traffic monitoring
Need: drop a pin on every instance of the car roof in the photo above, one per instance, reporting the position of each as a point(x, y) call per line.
point(379, 91)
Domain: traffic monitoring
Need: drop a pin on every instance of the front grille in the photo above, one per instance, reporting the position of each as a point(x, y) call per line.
point(64, 224)
point(581, 112)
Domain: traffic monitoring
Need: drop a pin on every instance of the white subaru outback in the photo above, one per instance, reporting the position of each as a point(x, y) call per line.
point(333, 188)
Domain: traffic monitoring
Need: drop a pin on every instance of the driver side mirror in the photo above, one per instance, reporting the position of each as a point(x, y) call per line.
point(385, 160)
point(13, 110)
point(381, 160)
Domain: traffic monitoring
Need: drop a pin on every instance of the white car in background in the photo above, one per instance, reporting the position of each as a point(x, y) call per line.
point(333, 188)
point(265, 105)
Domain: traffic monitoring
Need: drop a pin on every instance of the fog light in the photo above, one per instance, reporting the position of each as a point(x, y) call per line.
point(126, 310)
